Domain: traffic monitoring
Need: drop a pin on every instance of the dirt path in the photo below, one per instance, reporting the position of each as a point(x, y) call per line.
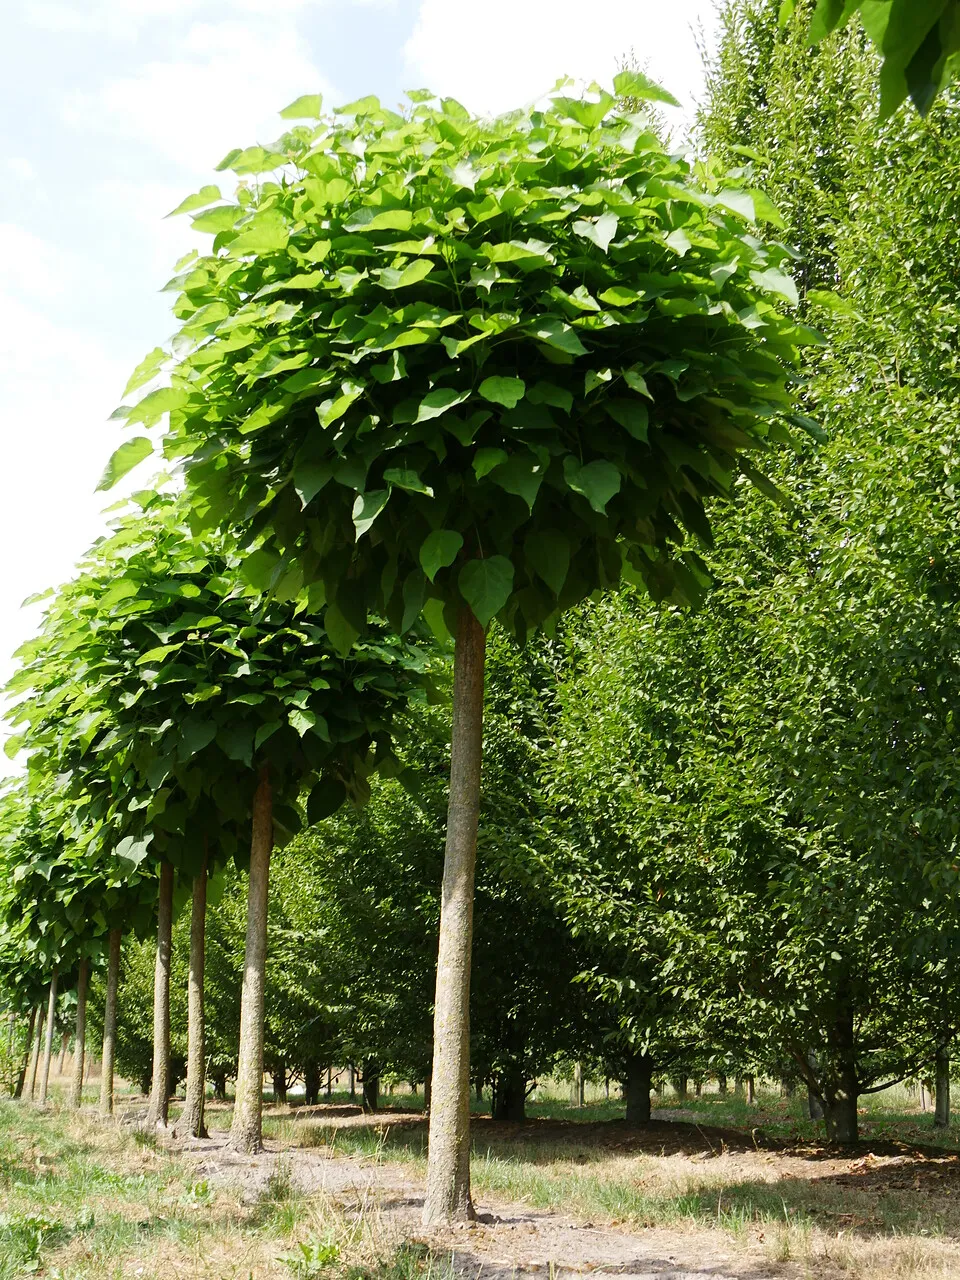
point(508, 1242)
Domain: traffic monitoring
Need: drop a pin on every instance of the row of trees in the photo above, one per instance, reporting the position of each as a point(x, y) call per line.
point(442, 379)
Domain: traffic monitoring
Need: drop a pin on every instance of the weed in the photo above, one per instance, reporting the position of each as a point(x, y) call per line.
point(312, 1257)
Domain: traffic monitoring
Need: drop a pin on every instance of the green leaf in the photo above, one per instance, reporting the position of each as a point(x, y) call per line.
point(634, 84)
point(367, 507)
point(325, 799)
point(404, 478)
point(549, 393)
point(439, 550)
point(130, 454)
point(505, 391)
point(343, 635)
point(600, 232)
point(486, 585)
point(368, 219)
point(597, 481)
point(435, 403)
point(485, 460)
point(146, 370)
point(197, 734)
point(152, 407)
point(775, 281)
point(521, 475)
point(309, 478)
point(309, 106)
point(556, 333)
point(395, 278)
point(631, 414)
point(302, 719)
point(206, 195)
point(637, 382)
point(266, 232)
point(549, 554)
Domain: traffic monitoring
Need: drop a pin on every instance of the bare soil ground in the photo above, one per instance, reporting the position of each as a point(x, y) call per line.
point(836, 1207)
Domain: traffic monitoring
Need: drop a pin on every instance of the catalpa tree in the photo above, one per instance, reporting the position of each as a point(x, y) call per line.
point(470, 369)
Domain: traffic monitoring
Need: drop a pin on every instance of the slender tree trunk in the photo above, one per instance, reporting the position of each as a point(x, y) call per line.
point(48, 1042)
point(636, 1088)
point(220, 1085)
point(448, 1163)
point(841, 1089)
point(80, 1041)
point(311, 1083)
point(427, 1092)
point(352, 1082)
point(721, 1084)
point(158, 1112)
point(680, 1084)
point(751, 1090)
point(371, 1086)
point(35, 1055)
point(110, 1025)
point(64, 1044)
point(246, 1133)
point(279, 1080)
point(329, 1083)
point(941, 1116)
point(190, 1124)
point(27, 1054)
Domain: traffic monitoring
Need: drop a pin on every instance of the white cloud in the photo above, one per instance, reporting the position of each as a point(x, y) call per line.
point(21, 168)
point(223, 90)
point(125, 19)
point(521, 47)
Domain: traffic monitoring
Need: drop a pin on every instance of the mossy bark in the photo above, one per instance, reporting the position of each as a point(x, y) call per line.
point(190, 1124)
point(246, 1132)
point(80, 1039)
point(448, 1161)
point(48, 1042)
point(158, 1112)
point(110, 1025)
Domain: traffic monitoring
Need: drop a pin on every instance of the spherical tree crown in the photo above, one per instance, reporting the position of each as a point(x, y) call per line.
point(437, 361)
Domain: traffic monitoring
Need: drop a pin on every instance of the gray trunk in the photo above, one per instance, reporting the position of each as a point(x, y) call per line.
point(27, 1053)
point(448, 1163)
point(840, 1114)
point(158, 1112)
point(841, 1089)
point(246, 1132)
point(48, 1042)
point(941, 1117)
point(751, 1090)
point(64, 1045)
point(190, 1124)
point(80, 1043)
point(110, 1025)
point(371, 1086)
point(35, 1055)
point(636, 1088)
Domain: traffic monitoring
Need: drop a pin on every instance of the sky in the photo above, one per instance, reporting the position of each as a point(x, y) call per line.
point(114, 110)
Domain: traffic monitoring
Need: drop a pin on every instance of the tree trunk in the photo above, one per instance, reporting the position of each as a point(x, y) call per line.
point(371, 1086)
point(110, 1025)
point(636, 1088)
point(721, 1084)
point(840, 1114)
point(311, 1084)
point(680, 1087)
point(246, 1132)
point(352, 1082)
point(80, 1041)
point(64, 1045)
point(329, 1090)
point(510, 1096)
point(751, 1090)
point(35, 1056)
point(48, 1042)
point(941, 1117)
point(278, 1078)
point(448, 1163)
point(427, 1092)
point(190, 1123)
point(840, 1089)
point(27, 1054)
point(158, 1112)
point(220, 1085)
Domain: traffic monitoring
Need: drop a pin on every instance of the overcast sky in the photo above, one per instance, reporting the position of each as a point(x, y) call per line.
point(113, 110)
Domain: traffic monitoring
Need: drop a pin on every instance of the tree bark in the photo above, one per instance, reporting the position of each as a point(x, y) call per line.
point(509, 1103)
point(751, 1090)
point(329, 1090)
point(190, 1123)
point(220, 1085)
point(246, 1132)
point(721, 1084)
point(311, 1083)
point(35, 1055)
point(64, 1045)
point(371, 1086)
point(941, 1116)
point(48, 1042)
point(352, 1082)
point(636, 1088)
point(158, 1112)
point(840, 1087)
point(680, 1084)
point(27, 1055)
point(110, 1025)
point(448, 1161)
point(279, 1080)
point(80, 1041)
